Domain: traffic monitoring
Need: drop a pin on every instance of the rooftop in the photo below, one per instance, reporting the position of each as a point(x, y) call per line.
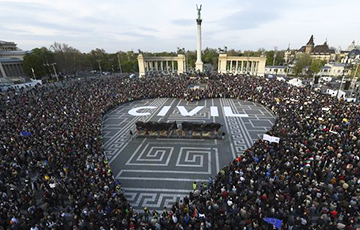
point(4, 43)
point(13, 52)
point(276, 67)
point(9, 60)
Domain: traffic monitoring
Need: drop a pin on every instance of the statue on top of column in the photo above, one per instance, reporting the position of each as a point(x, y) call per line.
point(198, 10)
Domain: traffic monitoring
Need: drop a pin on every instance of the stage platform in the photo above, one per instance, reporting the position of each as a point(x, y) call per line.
point(156, 172)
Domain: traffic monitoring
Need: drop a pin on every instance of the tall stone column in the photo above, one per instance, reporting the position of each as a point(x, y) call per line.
point(237, 67)
point(199, 65)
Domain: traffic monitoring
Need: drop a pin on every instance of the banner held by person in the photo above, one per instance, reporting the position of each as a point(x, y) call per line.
point(271, 138)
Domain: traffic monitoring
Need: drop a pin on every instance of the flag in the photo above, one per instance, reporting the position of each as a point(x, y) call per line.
point(271, 138)
point(25, 134)
point(274, 221)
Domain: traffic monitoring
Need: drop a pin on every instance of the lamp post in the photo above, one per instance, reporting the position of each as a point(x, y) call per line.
point(343, 76)
point(118, 56)
point(354, 79)
point(33, 72)
point(53, 65)
point(99, 66)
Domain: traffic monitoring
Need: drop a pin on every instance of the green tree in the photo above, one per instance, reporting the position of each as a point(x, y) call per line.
point(210, 56)
point(315, 66)
point(303, 61)
point(38, 59)
point(279, 58)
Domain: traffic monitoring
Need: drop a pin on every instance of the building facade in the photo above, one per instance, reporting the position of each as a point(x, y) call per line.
point(319, 52)
point(167, 65)
point(277, 70)
point(333, 70)
point(241, 65)
point(11, 61)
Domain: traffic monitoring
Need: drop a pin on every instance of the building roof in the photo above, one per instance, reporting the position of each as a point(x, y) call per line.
point(276, 67)
point(311, 41)
point(10, 60)
point(322, 49)
point(4, 43)
point(19, 52)
point(353, 53)
point(302, 49)
point(339, 64)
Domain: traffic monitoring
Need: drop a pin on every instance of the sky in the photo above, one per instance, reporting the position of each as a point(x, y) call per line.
point(164, 25)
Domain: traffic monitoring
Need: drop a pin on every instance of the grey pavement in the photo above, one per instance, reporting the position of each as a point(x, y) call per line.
point(157, 172)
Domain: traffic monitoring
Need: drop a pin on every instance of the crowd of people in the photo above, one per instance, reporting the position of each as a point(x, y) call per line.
point(54, 174)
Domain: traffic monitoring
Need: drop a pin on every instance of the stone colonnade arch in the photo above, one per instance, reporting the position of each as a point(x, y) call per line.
point(254, 66)
point(175, 65)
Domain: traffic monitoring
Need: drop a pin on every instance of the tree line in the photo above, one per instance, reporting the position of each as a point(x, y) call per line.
point(68, 60)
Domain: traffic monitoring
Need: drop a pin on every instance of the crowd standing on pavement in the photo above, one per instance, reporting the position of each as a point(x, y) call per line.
point(54, 174)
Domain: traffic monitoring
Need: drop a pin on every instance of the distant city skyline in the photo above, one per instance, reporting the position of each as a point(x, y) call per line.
point(156, 26)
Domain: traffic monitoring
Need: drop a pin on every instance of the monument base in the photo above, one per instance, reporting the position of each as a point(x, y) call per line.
point(199, 66)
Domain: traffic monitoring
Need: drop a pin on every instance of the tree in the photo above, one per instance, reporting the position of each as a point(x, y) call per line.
point(38, 59)
point(303, 61)
point(67, 58)
point(210, 56)
point(315, 66)
point(279, 59)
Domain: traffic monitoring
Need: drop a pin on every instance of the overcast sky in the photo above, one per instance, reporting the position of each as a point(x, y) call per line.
point(163, 25)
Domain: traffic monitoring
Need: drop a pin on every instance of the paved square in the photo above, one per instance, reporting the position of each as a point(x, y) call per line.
point(157, 172)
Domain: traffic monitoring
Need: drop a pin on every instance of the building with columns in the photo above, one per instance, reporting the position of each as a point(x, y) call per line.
point(241, 65)
point(11, 61)
point(173, 65)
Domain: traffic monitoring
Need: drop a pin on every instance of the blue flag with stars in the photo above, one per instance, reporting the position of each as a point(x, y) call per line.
point(274, 221)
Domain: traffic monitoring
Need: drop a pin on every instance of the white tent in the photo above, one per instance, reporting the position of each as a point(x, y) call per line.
point(296, 82)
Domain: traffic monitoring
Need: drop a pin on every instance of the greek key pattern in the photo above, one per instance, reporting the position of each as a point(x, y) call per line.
point(158, 171)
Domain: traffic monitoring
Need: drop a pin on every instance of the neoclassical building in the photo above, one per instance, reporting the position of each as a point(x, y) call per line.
point(11, 60)
point(174, 65)
point(241, 65)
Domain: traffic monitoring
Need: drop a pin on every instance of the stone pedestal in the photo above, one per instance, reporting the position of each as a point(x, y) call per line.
point(199, 66)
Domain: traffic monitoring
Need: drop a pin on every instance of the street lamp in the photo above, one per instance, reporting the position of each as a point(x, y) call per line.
point(99, 66)
point(343, 76)
point(33, 72)
point(354, 79)
point(118, 56)
point(53, 65)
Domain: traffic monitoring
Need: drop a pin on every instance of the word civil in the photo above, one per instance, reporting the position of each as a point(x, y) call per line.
point(214, 112)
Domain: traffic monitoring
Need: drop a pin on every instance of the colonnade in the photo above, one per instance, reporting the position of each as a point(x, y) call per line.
point(241, 65)
point(11, 70)
point(171, 65)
